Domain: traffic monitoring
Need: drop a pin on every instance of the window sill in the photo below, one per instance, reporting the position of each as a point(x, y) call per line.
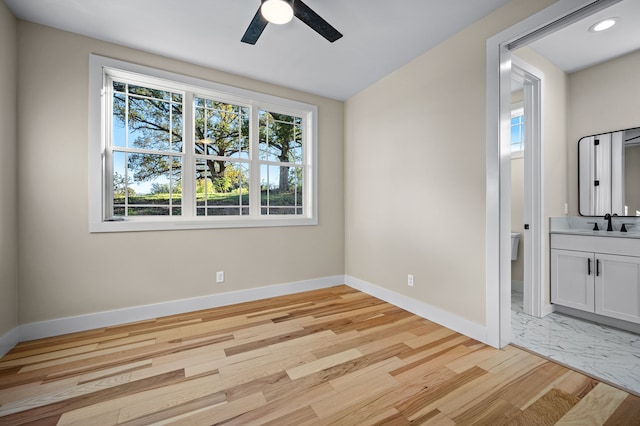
point(166, 224)
point(517, 154)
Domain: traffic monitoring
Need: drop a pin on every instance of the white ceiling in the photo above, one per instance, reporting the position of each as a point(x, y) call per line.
point(574, 48)
point(379, 35)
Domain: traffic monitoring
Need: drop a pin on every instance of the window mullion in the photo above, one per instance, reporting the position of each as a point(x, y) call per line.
point(254, 174)
point(188, 160)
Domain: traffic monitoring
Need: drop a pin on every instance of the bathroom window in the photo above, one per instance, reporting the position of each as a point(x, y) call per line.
point(517, 130)
point(173, 152)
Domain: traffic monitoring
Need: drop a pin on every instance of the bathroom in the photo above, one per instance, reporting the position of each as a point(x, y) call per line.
point(598, 97)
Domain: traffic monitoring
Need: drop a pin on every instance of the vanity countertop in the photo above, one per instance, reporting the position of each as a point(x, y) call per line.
point(583, 225)
point(601, 233)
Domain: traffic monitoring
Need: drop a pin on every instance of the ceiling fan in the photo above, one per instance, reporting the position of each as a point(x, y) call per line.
point(281, 12)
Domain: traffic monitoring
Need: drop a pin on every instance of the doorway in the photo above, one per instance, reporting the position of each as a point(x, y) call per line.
point(498, 178)
point(533, 230)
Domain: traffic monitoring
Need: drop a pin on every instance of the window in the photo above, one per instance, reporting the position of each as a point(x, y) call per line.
point(174, 152)
point(517, 130)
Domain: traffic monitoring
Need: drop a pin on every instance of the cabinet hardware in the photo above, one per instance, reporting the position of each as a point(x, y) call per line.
point(588, 266)
point(597, 267)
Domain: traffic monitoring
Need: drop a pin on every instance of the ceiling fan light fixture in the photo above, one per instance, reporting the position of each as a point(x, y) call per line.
point(277, 11)
point(603, 25)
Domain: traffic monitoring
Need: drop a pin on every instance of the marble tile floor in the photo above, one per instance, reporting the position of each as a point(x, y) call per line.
point(605, 353)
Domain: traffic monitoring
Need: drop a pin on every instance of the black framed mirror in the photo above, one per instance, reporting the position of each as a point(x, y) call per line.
point(609, 173)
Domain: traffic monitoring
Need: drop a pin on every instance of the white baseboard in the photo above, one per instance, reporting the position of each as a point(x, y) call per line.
point(38, 330)
point(429, 312)
point(9, 340)
point(548, 309)
point(517, 285)
point(599, 319)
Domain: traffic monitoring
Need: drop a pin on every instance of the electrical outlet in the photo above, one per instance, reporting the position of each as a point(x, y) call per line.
point(220, 276)
point(410, 280)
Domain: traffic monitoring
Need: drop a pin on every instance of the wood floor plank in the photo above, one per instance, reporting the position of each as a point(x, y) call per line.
point(628, 409)
point(485, 390)
point(595, 408)
point(376, 385)
point(424, 402)
point(531, 386)
point(354, 377)
point(467, 361)
point(175, 411)
point(209, 364)
point(547, 410)
point(31, 390)
point(66, 394)
point(300, 416)
point(494, 411)
point(395, 340)
point(323, 363)
point(93, 400)
point(280, 408)
point(171, 396)
point(83, 356)
point(219, 413)
point(576, 384)
point(43, 358)
point(435, 418)
point(332, 356)
point(362, 339)
point(373, 408)
point(429, 363)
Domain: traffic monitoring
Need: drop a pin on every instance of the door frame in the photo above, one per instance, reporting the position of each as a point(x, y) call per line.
point(532, 80)
point(498, 155)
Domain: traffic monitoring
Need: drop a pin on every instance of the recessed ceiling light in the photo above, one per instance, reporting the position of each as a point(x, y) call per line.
point(603, 25)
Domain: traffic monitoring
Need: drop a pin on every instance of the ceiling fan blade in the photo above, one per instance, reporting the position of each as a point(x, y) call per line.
point(312, 19)
point(257, 25)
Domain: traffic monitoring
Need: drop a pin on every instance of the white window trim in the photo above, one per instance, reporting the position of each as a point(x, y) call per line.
point(98, 117)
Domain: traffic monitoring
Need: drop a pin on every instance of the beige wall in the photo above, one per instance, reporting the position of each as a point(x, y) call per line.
point(554, 135)
point(64, 270)
point(602, 98)
point(8, 159)
point(415, 176)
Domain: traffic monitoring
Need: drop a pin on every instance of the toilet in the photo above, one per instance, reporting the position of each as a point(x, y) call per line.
point(515, 241)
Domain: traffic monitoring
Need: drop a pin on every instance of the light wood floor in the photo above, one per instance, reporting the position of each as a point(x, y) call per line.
point(333, 357)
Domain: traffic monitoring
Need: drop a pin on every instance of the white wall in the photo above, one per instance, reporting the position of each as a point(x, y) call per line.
point(64, 270)
point(8, 172)
point(415, 176)
point(602, 98)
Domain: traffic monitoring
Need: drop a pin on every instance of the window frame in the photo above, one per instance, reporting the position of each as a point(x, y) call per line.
point(517, 110)
point(101, 69)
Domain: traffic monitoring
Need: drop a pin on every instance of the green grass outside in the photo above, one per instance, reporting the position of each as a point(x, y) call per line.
point(276, 198)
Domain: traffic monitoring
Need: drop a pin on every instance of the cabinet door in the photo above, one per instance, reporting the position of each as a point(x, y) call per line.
point(617, 286)
point(572, 279)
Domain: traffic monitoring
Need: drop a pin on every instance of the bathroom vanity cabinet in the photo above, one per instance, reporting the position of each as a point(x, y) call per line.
point(597, 274)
